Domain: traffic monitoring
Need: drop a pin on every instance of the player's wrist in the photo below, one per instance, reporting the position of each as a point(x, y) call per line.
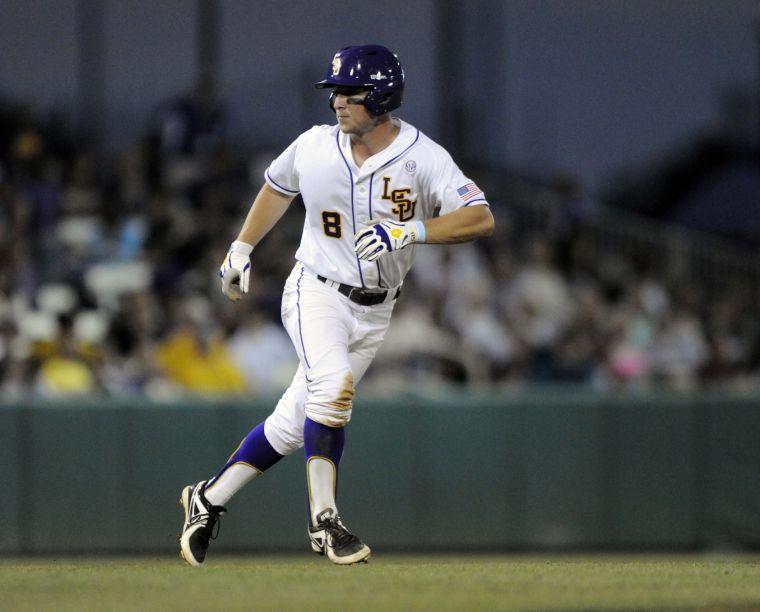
point(238, 246)
point(417, 231)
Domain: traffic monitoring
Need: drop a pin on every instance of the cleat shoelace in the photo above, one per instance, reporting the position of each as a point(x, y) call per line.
point(213, 525)
point(212, 519)
point(339, 535)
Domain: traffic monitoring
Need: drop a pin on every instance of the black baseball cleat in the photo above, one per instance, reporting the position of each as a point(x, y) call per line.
point(200, 519)
point(331, 537)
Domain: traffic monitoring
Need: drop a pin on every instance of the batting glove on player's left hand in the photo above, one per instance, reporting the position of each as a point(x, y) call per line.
point(236, 270)
point(387, 236)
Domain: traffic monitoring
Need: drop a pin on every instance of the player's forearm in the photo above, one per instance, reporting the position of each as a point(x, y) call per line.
point(461, 225)
point(265, 212)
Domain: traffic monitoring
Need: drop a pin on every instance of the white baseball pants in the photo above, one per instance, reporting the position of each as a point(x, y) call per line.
point(336, 340)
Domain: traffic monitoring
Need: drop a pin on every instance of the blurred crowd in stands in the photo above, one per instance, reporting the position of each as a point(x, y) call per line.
point(109, 285)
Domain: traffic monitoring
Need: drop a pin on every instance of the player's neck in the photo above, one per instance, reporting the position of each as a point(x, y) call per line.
point(375, 140)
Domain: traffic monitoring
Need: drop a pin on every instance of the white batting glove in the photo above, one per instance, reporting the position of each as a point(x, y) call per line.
point(235, 271)
point(387, 236)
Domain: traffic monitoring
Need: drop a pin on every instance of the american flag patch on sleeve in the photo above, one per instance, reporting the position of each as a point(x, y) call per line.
point(468, 191)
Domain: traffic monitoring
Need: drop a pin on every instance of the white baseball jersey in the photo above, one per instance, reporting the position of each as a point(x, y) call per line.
point(409, 180)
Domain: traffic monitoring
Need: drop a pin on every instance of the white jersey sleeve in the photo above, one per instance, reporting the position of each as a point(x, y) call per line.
point(454, 190)
point(282, 173)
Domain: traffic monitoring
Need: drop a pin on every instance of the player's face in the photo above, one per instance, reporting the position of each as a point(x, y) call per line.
point(352, 116)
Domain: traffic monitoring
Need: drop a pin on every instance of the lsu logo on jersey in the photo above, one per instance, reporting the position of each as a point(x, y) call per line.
point(400, 197)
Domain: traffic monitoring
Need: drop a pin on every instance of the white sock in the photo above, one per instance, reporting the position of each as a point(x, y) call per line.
point(320, 477)
point(234, 478)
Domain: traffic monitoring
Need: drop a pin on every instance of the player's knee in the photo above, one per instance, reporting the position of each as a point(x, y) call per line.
point(328, 416)
point(331, 400)
point(285, 436)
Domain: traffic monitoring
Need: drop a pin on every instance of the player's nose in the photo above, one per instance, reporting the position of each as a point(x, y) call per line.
point(340, 101)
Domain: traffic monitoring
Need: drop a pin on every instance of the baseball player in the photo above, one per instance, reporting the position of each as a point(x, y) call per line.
point(373, 187)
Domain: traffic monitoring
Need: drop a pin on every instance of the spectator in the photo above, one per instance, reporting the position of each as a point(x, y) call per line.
point(263, 353)
point(195, 357)
point(194, 123)
point(67, 368)
point(539, 307)
point(554, 297)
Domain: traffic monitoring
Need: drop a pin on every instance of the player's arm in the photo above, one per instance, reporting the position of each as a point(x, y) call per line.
point(461, 225)
point(265, 212)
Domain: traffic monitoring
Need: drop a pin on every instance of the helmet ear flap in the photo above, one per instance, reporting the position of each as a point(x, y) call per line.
point(380, 102)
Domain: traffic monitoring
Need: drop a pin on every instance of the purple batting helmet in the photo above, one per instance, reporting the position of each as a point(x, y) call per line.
point(372, 67)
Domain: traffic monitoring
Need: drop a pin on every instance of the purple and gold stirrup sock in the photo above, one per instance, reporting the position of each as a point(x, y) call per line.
point(323, 441)
point(254, 456)
point(324, 448)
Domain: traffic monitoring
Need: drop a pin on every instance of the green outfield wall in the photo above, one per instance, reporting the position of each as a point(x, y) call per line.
point(535, 471)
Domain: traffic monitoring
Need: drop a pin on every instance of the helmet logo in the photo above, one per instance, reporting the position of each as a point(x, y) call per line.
point(336, 65)
point(378, 76)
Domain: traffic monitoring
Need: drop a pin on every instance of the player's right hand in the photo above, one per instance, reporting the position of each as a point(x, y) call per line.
point(235, 271)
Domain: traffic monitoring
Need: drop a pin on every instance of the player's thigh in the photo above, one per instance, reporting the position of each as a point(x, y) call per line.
point(367, 338)
point(318, 323)
point(284, 427)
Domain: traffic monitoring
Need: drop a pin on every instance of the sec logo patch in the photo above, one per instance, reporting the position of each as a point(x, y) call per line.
point(410, 166)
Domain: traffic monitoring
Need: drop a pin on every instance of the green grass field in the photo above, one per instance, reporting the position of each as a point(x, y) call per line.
point(386, 583)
